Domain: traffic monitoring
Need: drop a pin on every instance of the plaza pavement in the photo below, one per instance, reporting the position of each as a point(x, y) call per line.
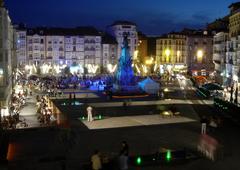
point(128, 121)
point(28, 112)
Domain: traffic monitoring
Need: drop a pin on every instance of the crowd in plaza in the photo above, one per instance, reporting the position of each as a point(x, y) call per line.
point(12, 119)
point(44, 112)
point(51, 83)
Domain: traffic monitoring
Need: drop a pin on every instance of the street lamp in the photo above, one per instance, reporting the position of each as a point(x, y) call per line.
point(199, 56)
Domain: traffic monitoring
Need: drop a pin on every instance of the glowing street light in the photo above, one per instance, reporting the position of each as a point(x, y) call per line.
point(167, 53)
point(199, 56)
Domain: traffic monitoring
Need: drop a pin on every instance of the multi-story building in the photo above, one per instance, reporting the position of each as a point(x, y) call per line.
point(234, 25)
point(83, 48)
point(233, 45)
point(199, 53)
point(171, 52)
point(53, 47)
point(119, 29)
point(142, 47)
point(35, 46)
point(151, 46)
point(21, 53)
point(7, 56)
point(219, 56)
point(109, 53)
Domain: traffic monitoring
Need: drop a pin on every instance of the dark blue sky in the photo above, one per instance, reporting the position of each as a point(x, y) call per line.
point(153, 17)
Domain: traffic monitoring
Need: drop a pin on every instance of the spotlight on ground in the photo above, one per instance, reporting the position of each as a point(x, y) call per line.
point(168, 156)
point(139, 160)
point(99, 117)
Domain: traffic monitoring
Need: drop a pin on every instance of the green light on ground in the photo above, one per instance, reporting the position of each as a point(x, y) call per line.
point(139, 160)
point(168, 155)
point(99, 117)
point(83, 118)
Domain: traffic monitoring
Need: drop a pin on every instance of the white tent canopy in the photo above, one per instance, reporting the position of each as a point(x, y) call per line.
point(149, 86)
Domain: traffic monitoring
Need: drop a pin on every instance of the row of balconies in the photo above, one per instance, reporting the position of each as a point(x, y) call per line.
point(67, 49)
point(66, 42)
point(219, 42)
point(63, 57)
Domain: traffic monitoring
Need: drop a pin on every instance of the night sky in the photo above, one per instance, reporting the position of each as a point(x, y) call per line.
point(153, 17)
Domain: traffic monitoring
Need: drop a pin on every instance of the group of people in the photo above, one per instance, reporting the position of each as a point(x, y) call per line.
point(96, 158)
point(44, 112)
point(17, 102)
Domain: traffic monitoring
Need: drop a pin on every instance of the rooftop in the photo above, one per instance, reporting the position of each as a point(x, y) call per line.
point(81, 31)
point(108, 39)
point(236, 4)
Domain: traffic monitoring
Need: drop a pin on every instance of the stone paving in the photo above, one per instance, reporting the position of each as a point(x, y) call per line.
point(128, 121)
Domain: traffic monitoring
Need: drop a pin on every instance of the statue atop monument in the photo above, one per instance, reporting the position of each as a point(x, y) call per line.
point(125, 74)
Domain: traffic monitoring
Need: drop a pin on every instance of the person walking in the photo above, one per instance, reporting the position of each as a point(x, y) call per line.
point(123, 156)
point(89, 113)
point(96, 161)
point(204, 125)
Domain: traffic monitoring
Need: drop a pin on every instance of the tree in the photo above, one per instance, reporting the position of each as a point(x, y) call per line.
point(66, 71)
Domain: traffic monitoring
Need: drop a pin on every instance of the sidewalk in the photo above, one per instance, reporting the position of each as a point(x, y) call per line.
point(28, 112)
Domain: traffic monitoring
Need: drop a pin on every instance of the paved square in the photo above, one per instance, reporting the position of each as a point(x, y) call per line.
point(128, 121)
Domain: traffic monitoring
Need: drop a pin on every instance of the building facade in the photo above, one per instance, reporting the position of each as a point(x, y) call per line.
point(219, 56)
point(7, 56)
point(109, 53)
point(121, 28)
point(35, 46)
point(171, 52)
point(48, 49)
point(142, 49)
point(21, 36)
point(233, 46)
point(200, 54)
